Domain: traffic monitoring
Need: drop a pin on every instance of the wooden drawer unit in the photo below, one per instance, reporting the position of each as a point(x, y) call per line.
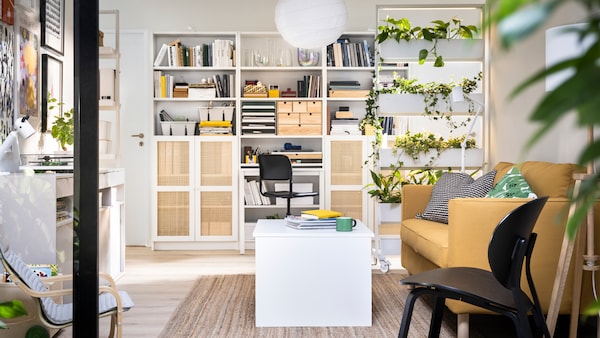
point(297, 129)
point(299, 118)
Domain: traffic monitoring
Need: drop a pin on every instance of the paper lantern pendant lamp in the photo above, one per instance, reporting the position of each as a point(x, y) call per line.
point(310, 23)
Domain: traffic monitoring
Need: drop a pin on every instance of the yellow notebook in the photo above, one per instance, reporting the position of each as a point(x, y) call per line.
point(320, 213)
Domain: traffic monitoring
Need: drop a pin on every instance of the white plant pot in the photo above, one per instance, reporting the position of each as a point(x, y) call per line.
point(390, 212)
point(413, 104)
point(448, 158)
point(454, 49)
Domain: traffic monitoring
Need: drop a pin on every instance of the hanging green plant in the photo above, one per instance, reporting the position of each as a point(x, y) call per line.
point(416, 144)
point(402, 29)
point(433, 92)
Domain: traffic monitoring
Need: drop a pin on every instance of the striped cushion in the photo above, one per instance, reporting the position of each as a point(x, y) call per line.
point(453, 185)
point(55, 313)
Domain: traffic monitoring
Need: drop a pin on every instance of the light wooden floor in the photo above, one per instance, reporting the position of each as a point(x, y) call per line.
point(158, 281)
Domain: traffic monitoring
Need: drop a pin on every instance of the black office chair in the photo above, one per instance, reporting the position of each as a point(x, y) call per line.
point(279, 168)
point(498, 290)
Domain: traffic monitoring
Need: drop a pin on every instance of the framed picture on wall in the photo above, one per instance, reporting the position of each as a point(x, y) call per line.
point(28, 68)
point(30, 7)
point(52, 19)
point(52, 79)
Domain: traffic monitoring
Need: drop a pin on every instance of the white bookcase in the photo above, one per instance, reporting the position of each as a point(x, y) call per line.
point(298, 121)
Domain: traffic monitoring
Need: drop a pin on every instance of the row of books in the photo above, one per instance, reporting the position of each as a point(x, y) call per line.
point(345, 53)
point(219, 53)
point(310, 86)
point(252, 195)
point(219, 86)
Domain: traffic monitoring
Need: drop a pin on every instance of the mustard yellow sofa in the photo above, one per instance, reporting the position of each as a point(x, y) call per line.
point(464, 240)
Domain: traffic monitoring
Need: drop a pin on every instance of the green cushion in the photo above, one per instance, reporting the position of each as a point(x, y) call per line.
point(512, 185)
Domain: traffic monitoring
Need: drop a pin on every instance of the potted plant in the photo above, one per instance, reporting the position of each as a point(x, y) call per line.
point(426, 149)
point(392, 39)
point(386, 189)
point(433, 98)
point(63, 129)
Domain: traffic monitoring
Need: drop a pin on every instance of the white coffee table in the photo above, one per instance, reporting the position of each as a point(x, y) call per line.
point(312, 277)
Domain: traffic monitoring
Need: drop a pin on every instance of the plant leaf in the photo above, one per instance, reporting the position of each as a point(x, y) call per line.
point(521, 23)
point(12, 309)
point(439, 61)
point(423, 53)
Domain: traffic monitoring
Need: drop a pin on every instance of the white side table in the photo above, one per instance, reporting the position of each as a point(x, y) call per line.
point(312, 277)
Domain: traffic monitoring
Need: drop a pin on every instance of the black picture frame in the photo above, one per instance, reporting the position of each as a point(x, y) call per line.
point(52, 82)
point(52, 19)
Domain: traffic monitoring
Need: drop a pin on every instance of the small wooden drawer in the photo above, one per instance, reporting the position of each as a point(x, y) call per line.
point(284, 107)
point(310, 118)
point(300, 106)
point(314, 106)
point(299, 129)
point(288, 118)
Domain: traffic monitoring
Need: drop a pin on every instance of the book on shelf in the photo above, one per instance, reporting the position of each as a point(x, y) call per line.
point(344, 53)
point(252, 195)
point(160, 57)
point(320, 214)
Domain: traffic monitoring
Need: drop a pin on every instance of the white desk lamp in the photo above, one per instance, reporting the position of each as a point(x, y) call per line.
point(10, 156)
point(459, 96)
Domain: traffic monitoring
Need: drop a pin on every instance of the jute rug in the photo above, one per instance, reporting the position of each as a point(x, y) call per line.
point(223, 306)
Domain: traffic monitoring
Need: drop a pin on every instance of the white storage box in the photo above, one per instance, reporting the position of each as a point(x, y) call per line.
point(178, 128)
point(216, 113)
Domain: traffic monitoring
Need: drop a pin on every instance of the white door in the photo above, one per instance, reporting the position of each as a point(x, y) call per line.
point(136, 87)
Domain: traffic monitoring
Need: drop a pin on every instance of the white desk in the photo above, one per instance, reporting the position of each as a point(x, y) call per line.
point(312, 277)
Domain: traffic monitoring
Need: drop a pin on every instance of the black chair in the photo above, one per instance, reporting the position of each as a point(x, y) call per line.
point(275, 168)
point(498, 290)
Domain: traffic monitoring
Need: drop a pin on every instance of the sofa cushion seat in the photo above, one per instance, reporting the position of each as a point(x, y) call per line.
point(428, 238)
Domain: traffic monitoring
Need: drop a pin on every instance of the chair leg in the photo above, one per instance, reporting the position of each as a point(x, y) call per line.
point(462, 327)
point(407, 314)
point(521, 324)
point(436, 316)
point(289, 204)
point(113, 323)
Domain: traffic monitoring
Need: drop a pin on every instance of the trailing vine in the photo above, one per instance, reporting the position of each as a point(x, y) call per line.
point(433, 92)
point(422, 143)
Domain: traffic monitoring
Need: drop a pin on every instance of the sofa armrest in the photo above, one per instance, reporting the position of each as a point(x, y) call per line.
point(414, 199)
point(471, 222)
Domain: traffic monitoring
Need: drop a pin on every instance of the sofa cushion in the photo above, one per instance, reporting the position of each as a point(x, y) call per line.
point(512, 185)
point(544, 178)
point(428, 238)
point(452, 185)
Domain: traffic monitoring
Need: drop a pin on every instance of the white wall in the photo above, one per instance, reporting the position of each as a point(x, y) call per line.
point(510, 125)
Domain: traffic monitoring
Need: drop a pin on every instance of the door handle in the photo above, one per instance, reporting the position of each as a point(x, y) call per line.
point(140, 135)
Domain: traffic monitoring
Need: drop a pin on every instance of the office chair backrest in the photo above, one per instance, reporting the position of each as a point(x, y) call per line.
point(510, 242)
point(275, 167)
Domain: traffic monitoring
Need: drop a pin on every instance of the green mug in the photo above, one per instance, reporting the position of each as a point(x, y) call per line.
point(344, 223)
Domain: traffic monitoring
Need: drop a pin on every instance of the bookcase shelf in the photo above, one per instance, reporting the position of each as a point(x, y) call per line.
point(281, 74)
